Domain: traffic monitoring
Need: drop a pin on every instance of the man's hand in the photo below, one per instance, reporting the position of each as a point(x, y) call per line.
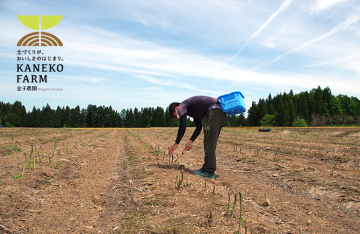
point(173, 147)
point(188, 145)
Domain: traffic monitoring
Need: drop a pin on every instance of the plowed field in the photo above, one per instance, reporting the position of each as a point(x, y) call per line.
point(292, 180)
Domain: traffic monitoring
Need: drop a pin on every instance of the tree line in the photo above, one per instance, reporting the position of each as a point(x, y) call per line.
point(319, 107)
point(315, 108)
point(15, 115)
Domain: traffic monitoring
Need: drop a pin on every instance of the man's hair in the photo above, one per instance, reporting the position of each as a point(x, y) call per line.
point(172, 109)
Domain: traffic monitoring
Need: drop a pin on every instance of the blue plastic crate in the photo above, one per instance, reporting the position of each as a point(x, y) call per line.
point(232, 103)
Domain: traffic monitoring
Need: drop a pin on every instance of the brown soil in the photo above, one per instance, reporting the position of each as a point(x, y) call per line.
point(292, 180)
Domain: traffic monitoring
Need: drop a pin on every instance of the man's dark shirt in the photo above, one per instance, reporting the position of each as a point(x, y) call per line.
point(195, 107)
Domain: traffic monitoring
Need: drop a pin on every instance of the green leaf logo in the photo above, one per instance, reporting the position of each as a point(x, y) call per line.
point(30, 21)
point(37, 22)
point(49, 21)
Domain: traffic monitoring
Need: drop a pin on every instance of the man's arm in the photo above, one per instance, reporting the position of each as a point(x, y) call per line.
point(180, 134)
point(197, 129)
point(182, 129)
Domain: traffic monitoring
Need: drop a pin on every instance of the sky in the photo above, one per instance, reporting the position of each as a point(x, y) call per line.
point(137, 53)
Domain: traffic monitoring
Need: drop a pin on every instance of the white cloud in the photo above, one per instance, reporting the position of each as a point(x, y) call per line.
point(354, 64)
point(161, 65)
point(282, 8)
point(90, 79)
point(321, 5)
point(268, 43)
point(324, 4)
point(337, 28)
point(153, 88)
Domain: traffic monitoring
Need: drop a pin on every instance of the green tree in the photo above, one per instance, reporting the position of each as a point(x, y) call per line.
point(83, 118)
point(146, 118)
point(168, 121)
point(66, 117)
point(268, 120)
point(5, 112)
point(299, 123)
point(100, 116)
point(18, 115)
point(292, 115)
point(91, 116)
point(123, 117)
point(129, 119)
point(357, 105)
point(317, 95)
point(270, 105)
point(311, 105)
point(347, 104)
point(303, 105)
point(158, 119)
point(35, 118)
point(282, 118)
point(59, 116)
point(106, 116)
point(271, 109)
point(286, 114)
point(335, 106)
point(325, 107)
point(47, 117)
point(75, 116)
point(291, 93)
point(286, 98)
point(112, 118)
point(262, 109)
point(137, 116)
point(241, 120)
point(253, 119)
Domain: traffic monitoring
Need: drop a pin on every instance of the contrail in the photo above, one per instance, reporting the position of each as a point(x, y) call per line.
point(341, 26)
point(282, 8)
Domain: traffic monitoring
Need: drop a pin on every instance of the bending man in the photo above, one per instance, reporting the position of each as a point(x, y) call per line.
point(198, 107)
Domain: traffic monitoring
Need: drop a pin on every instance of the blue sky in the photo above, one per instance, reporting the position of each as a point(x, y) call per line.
point(150, 53)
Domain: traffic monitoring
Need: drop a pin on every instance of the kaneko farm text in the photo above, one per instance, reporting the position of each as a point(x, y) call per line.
point(37, 68)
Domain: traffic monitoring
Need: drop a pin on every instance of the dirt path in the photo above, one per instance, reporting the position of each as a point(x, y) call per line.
point(66, 195)
point(78, 194)
point(120, 181)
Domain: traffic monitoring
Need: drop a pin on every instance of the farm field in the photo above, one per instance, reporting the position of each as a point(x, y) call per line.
point(292, 180)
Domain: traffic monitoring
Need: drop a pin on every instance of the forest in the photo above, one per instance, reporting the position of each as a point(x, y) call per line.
point(315, 108)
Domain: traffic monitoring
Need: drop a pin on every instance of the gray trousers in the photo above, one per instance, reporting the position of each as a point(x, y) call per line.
point(213, 122)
